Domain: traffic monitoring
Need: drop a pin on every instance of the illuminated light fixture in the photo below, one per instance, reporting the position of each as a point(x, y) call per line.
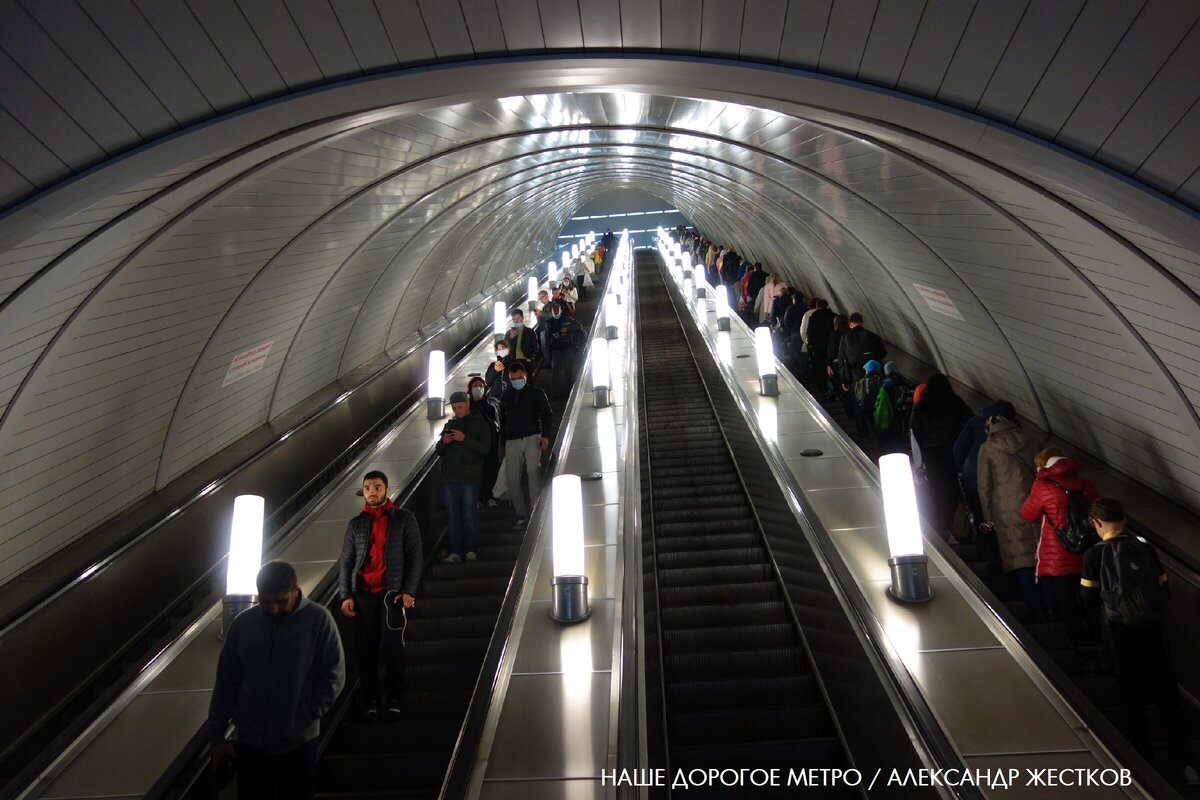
point(722, 295)
point(499, 318)
point(725, 349)
point(551, 270)
point(612, 319)
point(697, 278)
point(910, 565)
point(570, 603)
point(689, 288)
point(764, 348)
point(245, 558)
point(435, 387)
point(566, 262)
point(601, 375)
point(702, 311)
point(532, 292)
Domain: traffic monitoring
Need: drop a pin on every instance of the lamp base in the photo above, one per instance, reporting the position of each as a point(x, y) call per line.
point(435, 408)
point(570, 599)
point(231, 606)
point(610, 332)
point(601, 397)
point(910, 579)
point(701, 292)
point(768, 385)
point(723, 323)
point(618, 298)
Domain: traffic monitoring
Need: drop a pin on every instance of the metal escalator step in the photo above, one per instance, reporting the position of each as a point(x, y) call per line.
point(739, 512)
point(743, 725)
point(727, 615)
point(704, 500)
point(708, 541)
point(745, 663)
point(723, 556)
point(702, 525)
point(435, 607)
point(743, 692)
point(446, 650)
point(714, 573)
point(464, 627)
point(689, 485)
point(462, 587)
point(678, 597)
point(694, 640)
point(821, 752)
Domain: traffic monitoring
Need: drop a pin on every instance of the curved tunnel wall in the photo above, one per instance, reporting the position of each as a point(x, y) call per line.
point(336, 239)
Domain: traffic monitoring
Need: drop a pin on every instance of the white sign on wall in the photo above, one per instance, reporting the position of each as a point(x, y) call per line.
point(247, 363)
point(939, 301)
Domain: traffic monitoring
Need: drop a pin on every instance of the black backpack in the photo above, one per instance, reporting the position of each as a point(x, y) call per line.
point(1078, 535)
point(1131, 591)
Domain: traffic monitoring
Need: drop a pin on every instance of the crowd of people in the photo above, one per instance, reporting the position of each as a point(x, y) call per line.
point(282, 665)
point(984, 476)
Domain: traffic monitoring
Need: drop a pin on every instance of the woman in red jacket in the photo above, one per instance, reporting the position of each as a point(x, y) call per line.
point(1057, 569)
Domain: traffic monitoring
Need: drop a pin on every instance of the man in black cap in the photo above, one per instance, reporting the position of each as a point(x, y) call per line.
point(463, 446)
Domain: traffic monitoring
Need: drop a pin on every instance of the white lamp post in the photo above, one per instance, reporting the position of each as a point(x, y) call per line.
point(612, 319)
point(245, 558)
point(702, 311)
point(722, 296)
point(570, 584)
point(601, 374)
point(764, 348)
point(435, 387)
point(532, 292)
point(689, 289)
point(499, 318)
point(910, 565)
point(551, 272)
point(697, 278)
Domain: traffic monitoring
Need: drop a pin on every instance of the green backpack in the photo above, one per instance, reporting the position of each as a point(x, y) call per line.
point(883, 410)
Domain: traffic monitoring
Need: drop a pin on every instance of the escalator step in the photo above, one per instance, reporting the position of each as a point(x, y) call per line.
point(462, 587)
point(446, 650)
point(695, 640)
point(723, 556)
point(708, 541)
point(465, 627)
point(767, 723)
point(718, 573)
point(747, 663)
point(743, 692)
point(678, 597)
point(706, 500)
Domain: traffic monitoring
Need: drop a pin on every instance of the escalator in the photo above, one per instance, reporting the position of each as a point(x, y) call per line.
point(447, 637)
point(729, 679)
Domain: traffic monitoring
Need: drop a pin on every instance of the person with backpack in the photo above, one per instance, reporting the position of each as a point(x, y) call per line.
point(1059, 498)
point(1124, 581)
point(856, 348)
point(936, 422)
point(866, 391)
point(1005, 477)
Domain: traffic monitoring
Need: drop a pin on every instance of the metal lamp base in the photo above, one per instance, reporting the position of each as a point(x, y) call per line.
point(723, 323)
point(570, 599)
point(231, 606)
point(601, 397)
point(768, 385)
point(910, 579)
point(610, 332)
point(435, 408)
point(701, 292)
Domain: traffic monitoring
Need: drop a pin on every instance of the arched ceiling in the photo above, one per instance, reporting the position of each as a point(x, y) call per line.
point(335, 223)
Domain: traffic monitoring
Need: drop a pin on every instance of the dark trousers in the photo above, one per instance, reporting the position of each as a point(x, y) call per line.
point(1061, 594)
point(491, 469)
point(1145, 675)
point(566, 364)
point(283, 776)
point(462, 527)
point(376, 649)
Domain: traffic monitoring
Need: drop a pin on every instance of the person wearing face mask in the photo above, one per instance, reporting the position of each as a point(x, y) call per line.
point(565, 336)
point(523, 342)
point(488, 408)
point(279, 672)
point(463, 446)
point(526, 425)
point(495, 376)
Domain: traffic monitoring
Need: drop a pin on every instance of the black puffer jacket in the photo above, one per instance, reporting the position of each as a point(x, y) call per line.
point(525, 413)
point(401, 553)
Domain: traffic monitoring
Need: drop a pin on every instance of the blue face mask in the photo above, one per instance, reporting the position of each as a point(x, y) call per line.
point(516, 323)
point(518, 383)
point(556, 316)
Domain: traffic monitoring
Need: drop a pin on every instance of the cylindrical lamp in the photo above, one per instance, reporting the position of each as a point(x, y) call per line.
point(722, 295)
point(532, 290)
point(551, 271)
point(689, 288)
point(601, 377)
point(697, 278)
point(764, 348)
point(612, 320)
point(245, 558)
point(910, 565)
point(702, 311)
point(435, 387)
point(570, 584)
point(499, 318)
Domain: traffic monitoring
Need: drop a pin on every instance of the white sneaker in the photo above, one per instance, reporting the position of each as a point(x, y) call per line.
point(471, 556)
point(1190, 776)
point(453, 558)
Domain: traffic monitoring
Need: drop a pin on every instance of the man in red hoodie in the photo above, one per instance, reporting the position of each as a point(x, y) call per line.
point(1056, 568)
point(378, 572)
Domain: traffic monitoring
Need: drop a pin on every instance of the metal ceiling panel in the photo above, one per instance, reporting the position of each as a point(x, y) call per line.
point(684, 25)
point(804, 32)
point(363, 28)
point(325, 38)
point(762, 29)
point(405, 28)
point(934, 44)
point(447, 29)
point(891, 37)
point(178, 29)
point(721, 27)
point(239, 46)
point(641, 23)
point(561, 24)
point(483, 24)
point(849, 26)
point(601, 20)
point(275, 29)
point(983, 44)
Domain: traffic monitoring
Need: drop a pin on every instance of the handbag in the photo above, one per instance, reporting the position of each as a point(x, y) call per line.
point(500, 489)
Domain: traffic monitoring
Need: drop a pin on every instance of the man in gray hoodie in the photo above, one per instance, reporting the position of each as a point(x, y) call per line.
point(280, 670)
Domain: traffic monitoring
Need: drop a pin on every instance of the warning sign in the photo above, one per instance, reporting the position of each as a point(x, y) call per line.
point(247, 363)
point(939, 301)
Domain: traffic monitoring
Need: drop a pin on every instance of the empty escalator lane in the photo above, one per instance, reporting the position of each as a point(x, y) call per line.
point(737, 688)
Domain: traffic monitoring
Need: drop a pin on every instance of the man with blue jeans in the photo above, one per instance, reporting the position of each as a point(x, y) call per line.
point(463, 446)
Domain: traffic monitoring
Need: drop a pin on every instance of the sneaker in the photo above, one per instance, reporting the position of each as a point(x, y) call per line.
point(1190, 776)
point(453, 558)
point(471, 556)
point(491, 503)
point(371, 712)
point(520, 523)
point(392, 713)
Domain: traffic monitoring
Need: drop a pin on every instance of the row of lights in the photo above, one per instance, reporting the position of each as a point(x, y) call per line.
point(908, 562)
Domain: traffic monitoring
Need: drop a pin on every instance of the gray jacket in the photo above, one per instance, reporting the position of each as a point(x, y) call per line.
point(401, 553)
point(277, 677)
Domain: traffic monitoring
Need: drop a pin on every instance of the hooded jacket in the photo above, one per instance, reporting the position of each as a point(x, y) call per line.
point(970, 439)
point(1006, 474)
point(1048, 503)
point(276, 678)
